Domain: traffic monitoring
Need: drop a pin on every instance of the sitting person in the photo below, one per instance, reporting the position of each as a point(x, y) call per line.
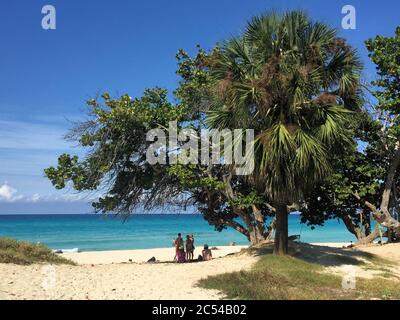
point(206, 253)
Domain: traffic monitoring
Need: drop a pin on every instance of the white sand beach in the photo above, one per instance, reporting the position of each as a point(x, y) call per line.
point(110, 274)
point(161, 254)
point(140, 255)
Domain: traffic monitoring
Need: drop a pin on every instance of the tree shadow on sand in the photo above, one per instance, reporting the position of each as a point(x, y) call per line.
point(323, 255)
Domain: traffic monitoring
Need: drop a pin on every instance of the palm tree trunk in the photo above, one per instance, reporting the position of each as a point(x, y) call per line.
point(281, 231)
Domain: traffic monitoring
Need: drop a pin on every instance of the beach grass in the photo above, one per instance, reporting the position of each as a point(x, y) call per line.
point(289, 278)
point(25, 253)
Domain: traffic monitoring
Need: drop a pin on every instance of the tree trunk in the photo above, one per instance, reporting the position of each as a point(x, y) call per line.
point(365, 240)
point(254, 221)
point(256, 236)
point(281, 231)
point(389, 181)
point(348, 222)
point(259, 222)
point(364, 237)
point(367, 224)
point(271, 229)
point(382, 216)
point(238, 227)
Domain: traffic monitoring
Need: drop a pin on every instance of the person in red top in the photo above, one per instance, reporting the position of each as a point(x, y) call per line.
point(179, 249)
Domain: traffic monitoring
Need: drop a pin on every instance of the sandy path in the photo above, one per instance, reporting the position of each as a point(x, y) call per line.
point(116, 281)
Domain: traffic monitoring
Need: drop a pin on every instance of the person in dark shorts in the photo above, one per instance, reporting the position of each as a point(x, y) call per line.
point(189, 248)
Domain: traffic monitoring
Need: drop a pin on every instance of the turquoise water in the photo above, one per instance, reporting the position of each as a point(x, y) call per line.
point(97, 232)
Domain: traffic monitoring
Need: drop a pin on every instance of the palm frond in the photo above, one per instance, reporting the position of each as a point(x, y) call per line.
point(293, 81)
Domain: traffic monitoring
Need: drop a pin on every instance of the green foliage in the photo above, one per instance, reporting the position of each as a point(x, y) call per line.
point(24, 253)
point(68, 169)
point(195, 82)
point(363, 171)
point(355, 171)
point(193, 176)
point(116, 139)
point(246, 201)
point(295, 83)
point(292, 80)
point(384, 52)
point(115, 162)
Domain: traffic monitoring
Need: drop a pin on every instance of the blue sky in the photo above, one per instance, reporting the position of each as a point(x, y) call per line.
point(120, 47)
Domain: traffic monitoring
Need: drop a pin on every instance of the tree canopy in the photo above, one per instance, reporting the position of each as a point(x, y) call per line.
point(365, 184)
point(296, 83)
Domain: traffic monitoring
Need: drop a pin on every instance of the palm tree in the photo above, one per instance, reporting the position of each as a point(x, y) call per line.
point(296, 83)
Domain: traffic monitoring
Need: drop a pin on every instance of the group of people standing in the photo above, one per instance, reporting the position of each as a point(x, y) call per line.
point(180, 246)
point(182, 256)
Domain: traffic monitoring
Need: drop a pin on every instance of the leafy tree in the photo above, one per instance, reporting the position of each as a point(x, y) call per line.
point(356, 173)
point(115, 162)
point(365, 184)
point(230, 200)
point(295, 83)
point(115, 140)
point(385, 53)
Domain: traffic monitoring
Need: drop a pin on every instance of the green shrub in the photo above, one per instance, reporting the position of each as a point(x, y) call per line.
point(25, 253)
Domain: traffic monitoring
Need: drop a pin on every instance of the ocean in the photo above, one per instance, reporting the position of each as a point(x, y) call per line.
point(90, 232)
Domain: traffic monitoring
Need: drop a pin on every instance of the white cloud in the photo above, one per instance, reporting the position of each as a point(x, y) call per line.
point(26, 148)
point(8, 193)
point(35, 197)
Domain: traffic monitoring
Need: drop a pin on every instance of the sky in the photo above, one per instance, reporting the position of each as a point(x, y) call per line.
point(120, 47)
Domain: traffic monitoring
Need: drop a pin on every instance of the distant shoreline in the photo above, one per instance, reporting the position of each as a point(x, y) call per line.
point(333, 244)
